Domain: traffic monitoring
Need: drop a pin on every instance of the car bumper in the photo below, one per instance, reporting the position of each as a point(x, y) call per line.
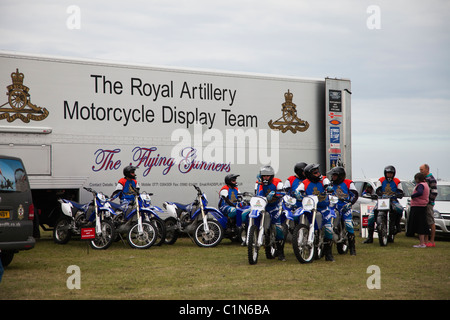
point(442, 226)
point(18, 245)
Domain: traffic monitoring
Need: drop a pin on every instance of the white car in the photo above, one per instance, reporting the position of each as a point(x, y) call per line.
point(441, 209)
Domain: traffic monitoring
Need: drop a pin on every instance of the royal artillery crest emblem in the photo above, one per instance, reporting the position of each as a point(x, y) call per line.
point(19, 105)
point(289, 119)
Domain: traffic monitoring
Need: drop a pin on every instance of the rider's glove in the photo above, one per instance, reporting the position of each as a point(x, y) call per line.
point(347, 207)
point(270, 195)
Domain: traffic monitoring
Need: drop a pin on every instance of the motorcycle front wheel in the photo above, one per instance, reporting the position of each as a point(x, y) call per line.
point(382, 231)
point(144, 240)
point(211, 238)
point(303, 252)
point(270, 245)
point(61, 232)
point(107, 237)
point(252, 245)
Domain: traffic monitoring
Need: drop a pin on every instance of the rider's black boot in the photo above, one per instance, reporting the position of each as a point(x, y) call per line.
point(280, 249)
point(328, 251)
point(351, 244)
point(370, 236)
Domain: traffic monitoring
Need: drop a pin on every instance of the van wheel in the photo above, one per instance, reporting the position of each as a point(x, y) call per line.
point(6, 257)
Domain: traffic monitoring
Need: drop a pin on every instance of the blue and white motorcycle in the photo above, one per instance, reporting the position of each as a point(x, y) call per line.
point(205, 225)
point(340, 234)
point(139, 221)
point(261, 232)
point(289, 207)
point(237, 227)
point(308, 235)
point(96, 213)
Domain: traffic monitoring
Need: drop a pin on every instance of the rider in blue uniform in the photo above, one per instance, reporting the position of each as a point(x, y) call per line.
point(316, 184)
point(123, 187)
point(270, 187)
point(229, 196)
point(291, 184)
point(347, 194)
point(390, 186)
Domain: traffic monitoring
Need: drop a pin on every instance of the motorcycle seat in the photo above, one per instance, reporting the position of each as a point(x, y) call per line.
point(115, 206)
point(76, 205)
point(183, 207)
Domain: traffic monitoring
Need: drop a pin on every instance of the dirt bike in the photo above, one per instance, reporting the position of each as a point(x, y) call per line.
point(138, 221)
point(205, 225)
point(340, 234)
point(385, 220)
point(123, 220)
point(308, 235)
point(236, 228)
point(261, 232)
point(97, 213)
point(290, 206)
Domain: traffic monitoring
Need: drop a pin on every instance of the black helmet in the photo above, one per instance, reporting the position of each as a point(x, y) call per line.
point(298, 169)
point(389, 169)
point(309, 170)
point(341, 175)
point(229, 178)
point(128, 170)
point(267, 171)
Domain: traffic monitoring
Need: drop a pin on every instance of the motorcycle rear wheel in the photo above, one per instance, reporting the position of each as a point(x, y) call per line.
point(61, 232)
point(211, 239)
point(303, 252)
point(160, 226)
point(144, 240)
point(171, 231)
point(252, 245)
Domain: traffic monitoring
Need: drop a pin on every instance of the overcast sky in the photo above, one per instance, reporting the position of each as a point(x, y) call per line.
point(396, 53)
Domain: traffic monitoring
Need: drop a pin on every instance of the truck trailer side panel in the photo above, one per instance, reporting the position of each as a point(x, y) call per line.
point(78, 123)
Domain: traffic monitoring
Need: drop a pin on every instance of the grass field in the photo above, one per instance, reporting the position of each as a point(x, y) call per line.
point(185, 271)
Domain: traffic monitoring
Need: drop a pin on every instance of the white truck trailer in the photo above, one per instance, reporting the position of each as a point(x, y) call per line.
point(77, 123)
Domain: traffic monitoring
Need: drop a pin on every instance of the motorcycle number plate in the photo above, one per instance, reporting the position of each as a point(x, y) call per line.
point(383, 204)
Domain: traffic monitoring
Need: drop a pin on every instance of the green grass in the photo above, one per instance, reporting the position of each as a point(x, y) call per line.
point(185, 271)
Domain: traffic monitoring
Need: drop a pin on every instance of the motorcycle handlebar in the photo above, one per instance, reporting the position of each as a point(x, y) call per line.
point(198, 189)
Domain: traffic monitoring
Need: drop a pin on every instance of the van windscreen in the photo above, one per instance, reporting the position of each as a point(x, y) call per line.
point(13, 177)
